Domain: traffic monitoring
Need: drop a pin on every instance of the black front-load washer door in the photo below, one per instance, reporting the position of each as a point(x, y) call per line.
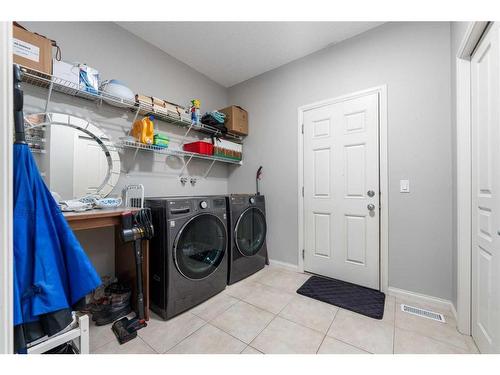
point(200, 246)
point(250, 231)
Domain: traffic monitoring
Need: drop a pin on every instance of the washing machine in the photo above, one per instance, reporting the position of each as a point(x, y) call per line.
point(188, 254)
point(247, 235)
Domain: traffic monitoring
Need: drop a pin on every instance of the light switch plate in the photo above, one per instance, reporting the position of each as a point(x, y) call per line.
point(404, 186)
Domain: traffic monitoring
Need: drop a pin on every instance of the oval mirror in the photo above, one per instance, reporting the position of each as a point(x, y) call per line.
point(75, 157)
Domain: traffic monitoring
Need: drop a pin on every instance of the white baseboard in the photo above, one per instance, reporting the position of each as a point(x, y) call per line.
point(288, 266)
point(444, 305)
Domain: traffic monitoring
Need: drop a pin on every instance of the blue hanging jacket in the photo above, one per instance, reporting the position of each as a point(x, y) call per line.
point(51, 270)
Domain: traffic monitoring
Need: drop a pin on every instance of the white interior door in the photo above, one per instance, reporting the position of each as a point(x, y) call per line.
point(341, 190)
point(485, 81)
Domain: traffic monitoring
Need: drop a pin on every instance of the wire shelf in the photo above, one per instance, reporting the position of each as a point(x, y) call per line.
point(60, 85)
point(172, 152)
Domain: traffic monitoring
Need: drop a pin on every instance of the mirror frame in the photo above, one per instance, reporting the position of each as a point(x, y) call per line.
point(113, 157)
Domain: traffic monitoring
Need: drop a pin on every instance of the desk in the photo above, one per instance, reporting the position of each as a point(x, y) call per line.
point(124, 252)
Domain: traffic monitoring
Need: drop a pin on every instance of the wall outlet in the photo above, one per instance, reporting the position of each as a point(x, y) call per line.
point(404, 186)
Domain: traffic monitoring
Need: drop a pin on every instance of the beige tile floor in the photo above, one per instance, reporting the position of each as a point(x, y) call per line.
point(263, 314)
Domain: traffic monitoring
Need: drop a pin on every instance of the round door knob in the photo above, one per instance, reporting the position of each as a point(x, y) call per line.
point(203, 204)
point(252, 200)
point(371, 207)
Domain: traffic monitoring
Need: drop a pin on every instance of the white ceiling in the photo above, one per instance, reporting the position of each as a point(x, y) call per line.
point(232, 52)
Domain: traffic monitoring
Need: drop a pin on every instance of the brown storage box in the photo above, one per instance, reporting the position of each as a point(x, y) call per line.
point(236, 120)
point(32, 51)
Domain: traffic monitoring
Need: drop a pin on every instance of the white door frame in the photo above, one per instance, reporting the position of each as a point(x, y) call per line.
point(6, 137)
point(383, 181)
point(464, 175)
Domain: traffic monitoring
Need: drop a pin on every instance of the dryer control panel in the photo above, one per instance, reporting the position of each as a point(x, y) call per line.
point(189, 206)
point(246, 199)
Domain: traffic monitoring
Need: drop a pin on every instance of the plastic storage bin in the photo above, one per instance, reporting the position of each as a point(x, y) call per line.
point(199, 147)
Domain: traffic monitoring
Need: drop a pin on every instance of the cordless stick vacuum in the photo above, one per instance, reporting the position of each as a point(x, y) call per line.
point(137, 227)
point(257, 179)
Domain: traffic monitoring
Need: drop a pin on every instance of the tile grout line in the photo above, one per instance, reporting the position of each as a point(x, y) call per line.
point(253, 349)
point(208, 321)
point(329, 326)
point(342, 341)
point(267, 325)
point(147, 344)
point(361, 316)
point(234, 337)
point(304, 326)
point(185, 338)
point(279, 291)
point(100, 346)
point(211, 325)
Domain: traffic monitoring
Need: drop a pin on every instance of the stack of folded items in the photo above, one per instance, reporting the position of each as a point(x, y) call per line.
point(215, 119)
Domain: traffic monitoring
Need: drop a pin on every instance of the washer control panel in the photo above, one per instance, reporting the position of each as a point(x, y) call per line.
point(203, 205)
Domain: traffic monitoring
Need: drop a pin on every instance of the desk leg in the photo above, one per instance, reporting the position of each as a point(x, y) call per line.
point(125, 267)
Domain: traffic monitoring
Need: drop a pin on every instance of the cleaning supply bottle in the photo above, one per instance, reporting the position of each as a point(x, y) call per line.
point(143, 130)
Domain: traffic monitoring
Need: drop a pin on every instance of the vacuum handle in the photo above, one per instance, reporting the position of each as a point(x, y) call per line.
point(140, 292)
point(20, 136)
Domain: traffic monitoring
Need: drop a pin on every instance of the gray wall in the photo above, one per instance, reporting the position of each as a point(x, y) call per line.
point(413, 59)
point(118, 54)
point(457, 33)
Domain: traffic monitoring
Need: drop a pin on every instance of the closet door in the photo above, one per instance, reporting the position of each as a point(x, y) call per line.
point(485, 80)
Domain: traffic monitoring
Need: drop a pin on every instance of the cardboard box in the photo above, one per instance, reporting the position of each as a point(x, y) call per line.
point(32, 51)
point(236, 120)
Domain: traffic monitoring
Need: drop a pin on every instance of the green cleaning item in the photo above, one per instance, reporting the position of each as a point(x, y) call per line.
point(161, 140)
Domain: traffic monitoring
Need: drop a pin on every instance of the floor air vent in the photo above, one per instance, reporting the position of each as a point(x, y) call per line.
point(423, 313)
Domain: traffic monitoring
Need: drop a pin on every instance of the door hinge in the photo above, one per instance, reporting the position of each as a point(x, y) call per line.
point(302, 128)
point(302, 191)
point(303, 253)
